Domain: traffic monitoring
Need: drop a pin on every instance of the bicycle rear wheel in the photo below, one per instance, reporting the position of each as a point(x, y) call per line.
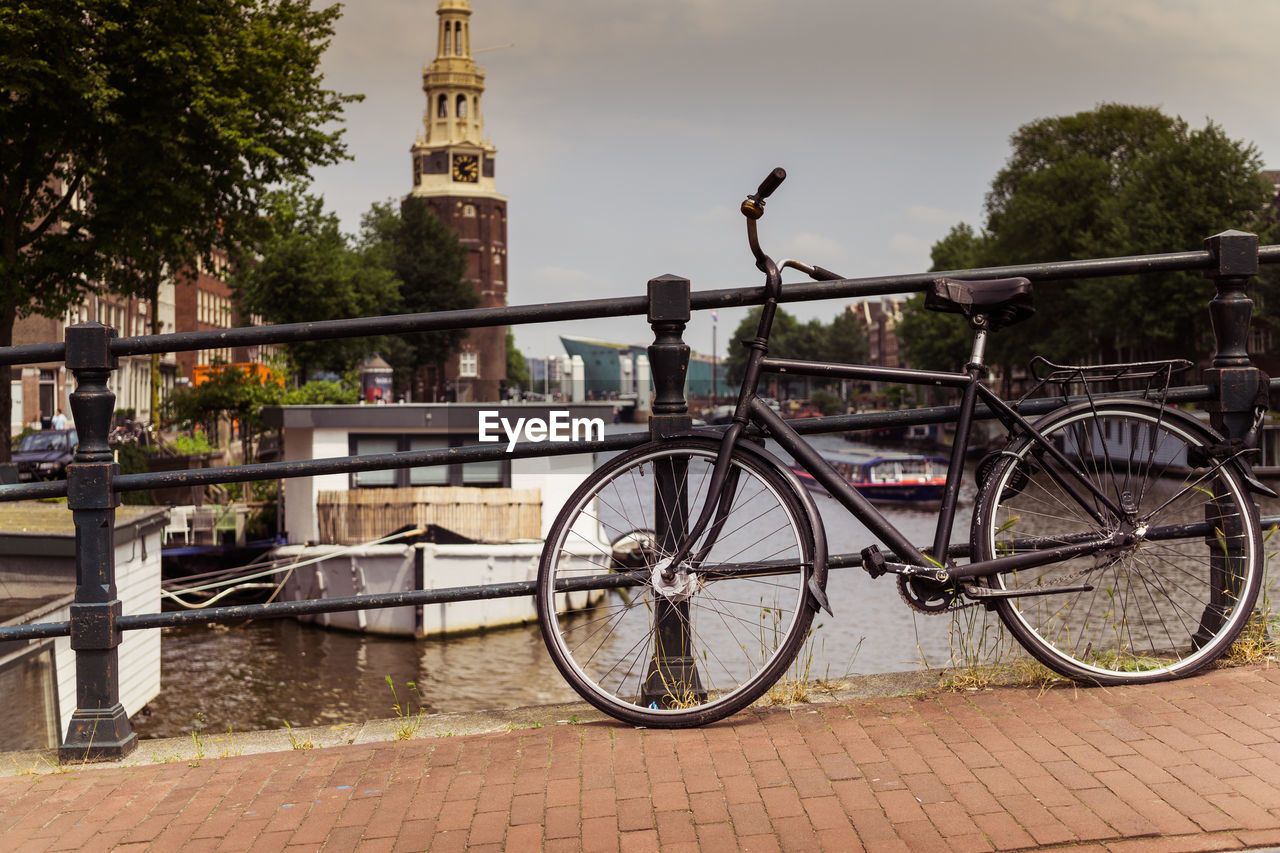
point(668, 655)
point(1163, 607)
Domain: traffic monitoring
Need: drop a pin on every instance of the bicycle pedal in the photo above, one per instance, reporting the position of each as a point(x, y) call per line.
point(873, 561)
point(983, 593)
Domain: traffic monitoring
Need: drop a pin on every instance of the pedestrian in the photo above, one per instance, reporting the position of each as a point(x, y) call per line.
point(59, 420)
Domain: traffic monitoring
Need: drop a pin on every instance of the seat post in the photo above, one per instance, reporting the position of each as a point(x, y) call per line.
point(979, 324)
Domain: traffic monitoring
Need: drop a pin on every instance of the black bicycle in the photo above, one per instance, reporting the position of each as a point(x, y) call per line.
point(1116, 536)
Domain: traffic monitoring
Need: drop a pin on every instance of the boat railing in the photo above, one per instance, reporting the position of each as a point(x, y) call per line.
point(99, 728)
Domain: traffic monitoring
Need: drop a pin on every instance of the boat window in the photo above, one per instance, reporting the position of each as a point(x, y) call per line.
point(913, 467)
point(375, 444)
point(436, 475)
point(495, 473)
point(482, 473)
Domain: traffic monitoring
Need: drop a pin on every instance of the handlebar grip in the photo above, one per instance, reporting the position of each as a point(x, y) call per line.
point(769, 184)
point(820, 274)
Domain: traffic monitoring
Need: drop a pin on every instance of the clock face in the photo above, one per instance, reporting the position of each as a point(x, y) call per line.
point(466, 168)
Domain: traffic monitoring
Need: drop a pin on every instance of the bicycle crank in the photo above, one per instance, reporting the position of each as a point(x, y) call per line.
point(927, 595)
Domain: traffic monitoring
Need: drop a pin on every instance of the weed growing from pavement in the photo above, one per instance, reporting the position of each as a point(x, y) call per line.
point(408, 722)
point(298, 742)
point(1258, 643)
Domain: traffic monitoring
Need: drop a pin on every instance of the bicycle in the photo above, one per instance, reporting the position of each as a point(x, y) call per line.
point(1115, 537)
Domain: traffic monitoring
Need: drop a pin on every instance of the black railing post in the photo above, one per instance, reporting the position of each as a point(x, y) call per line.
point(673, 673)
point(99, 728)
point(1232, 376)
point(1236, 387)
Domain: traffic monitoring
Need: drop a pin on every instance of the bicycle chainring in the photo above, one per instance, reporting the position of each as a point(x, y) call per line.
point(925, 595)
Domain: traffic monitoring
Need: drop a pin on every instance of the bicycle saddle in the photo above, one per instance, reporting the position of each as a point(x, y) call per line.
point(1004, 301)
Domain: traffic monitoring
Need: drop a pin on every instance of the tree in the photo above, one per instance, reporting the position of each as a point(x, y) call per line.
point(930, 339)
point(307, 270)
point(845, 340)
point(517, 367)
point(137, 134)
point(228, 392)
point(430, 264)
point(1114, 181)
point(842, 340)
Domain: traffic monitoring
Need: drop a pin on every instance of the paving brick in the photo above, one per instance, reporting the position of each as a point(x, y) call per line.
point(1187, 765)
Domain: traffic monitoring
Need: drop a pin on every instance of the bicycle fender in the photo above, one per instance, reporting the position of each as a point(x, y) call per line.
point(1242, 465)
point(818, 581)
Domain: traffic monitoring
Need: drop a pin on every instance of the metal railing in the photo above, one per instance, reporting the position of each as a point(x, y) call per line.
point(99, 727)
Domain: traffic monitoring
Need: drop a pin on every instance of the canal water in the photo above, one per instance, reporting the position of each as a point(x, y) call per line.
point(263, 675)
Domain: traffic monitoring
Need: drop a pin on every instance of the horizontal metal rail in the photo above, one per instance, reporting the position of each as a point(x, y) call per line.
point(408, 598)
point(99, 726)
point(550, 312)
point(527, 449)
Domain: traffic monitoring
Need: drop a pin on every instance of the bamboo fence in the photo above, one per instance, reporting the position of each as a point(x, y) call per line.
point(485, 515)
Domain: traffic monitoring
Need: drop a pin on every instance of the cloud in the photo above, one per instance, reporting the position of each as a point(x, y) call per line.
point(815, 249)
point(909, 244)
point(580, 280)
point(932, 215)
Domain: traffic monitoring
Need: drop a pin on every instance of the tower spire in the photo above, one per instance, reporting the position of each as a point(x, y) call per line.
point(453, 82)
point(454, 172)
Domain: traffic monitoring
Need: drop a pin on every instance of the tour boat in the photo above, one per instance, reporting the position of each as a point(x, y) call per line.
point(887, 477)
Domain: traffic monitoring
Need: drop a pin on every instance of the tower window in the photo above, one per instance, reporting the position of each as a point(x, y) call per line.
point(462, 106)
point(469, 211)
point(442, 107)
point(469, 364)
point(448, 38)
point(457, 38)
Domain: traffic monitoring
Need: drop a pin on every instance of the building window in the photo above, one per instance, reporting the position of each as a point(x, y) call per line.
point(496, 473)
point(469, 364)
point(462, 106)
point(469, 211)
point(442, 107)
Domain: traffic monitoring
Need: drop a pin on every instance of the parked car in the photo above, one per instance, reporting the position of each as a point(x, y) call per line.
point(45, 455)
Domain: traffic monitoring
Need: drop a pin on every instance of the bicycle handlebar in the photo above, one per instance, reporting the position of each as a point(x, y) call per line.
point(771, 183)
point(753, 209)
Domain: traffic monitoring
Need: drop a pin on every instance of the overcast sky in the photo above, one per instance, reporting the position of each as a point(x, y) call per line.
point(628, 132)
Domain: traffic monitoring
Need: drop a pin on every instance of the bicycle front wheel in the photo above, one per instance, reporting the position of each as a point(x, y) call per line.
point(687, 652)
point(1163, 607)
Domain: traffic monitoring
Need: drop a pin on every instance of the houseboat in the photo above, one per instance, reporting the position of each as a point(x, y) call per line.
point(887, 478)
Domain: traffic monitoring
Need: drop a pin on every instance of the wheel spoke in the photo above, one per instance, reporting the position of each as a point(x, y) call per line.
point(1144, 617)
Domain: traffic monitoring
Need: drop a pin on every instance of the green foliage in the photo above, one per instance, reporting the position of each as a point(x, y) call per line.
point(430, 264)
point(1110, 182)
point(136, 135)
point(517, 367)
point(133, 460)
point(191, 445)
point(827, 402)
point(842, 340)
point(320, 393)
point(308, 270)
point(930, 339)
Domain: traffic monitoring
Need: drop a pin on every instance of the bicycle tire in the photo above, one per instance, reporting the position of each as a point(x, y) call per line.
point(1164, 607)
point(744, 620)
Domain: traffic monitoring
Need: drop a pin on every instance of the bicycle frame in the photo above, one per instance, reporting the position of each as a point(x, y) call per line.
point(751, 409)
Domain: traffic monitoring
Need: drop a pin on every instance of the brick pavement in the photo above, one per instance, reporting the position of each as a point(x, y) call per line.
point(1192, 765)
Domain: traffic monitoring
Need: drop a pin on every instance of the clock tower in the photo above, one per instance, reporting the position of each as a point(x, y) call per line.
point(453, 168)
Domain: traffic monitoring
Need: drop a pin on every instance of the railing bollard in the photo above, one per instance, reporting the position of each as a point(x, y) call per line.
point(1232, 375)
point(1238, 387)
point(99, 728)
point(672, 676)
